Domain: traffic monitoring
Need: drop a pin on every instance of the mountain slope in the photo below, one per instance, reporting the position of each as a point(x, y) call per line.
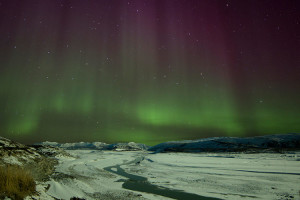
point(24, 160)
point(15, 153)
point(230, 144)
point(130, 146)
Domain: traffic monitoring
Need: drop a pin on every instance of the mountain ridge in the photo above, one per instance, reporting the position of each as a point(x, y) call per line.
point(273, 143)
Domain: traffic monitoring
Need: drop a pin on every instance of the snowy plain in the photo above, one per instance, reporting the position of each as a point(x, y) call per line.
point(219, 175)
point(84, 176)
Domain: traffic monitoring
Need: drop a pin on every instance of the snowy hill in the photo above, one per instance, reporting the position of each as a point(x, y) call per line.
point(215, 144)
point(15, 153)
point(231, 144)
point(31, 159)
point(130, 146)
point(78, 145)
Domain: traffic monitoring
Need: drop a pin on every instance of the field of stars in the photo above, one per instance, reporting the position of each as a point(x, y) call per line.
point(148, 71)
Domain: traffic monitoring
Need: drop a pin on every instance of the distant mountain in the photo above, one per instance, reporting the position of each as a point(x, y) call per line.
point(273, 143)
point(232, 144)
point(77, 145)
point(130, 146)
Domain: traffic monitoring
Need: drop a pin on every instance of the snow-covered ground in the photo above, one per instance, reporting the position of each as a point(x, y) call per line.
point(220, 175)
point(84, 176)
point(231, 170)
point(227, 175)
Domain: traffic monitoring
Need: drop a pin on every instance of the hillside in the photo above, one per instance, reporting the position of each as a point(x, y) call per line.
point(274, 143)
point(130, 146)
point(23, 162)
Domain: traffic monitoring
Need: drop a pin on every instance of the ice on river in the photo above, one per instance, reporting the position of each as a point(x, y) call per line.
point(220, 175)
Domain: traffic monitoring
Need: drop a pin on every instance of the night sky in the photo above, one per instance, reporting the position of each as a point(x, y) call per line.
point(148, 71)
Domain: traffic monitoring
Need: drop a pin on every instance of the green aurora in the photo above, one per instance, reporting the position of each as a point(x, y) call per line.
point(144, 73)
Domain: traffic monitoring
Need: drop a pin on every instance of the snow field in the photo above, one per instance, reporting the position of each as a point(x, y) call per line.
point(220, 175)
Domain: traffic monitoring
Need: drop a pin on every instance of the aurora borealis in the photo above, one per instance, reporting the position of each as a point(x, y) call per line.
point(148, 71)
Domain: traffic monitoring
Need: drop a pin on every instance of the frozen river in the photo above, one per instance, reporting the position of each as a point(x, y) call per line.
point(105, 175)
